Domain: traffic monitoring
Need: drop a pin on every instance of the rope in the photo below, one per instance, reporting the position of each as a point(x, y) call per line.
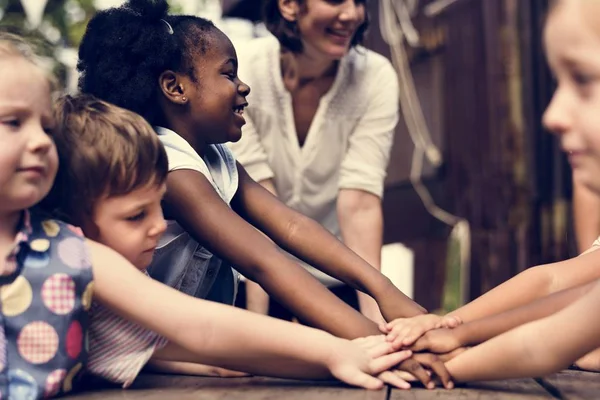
point(396, 27)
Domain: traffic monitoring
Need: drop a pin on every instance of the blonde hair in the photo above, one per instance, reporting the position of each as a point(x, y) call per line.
point(12, 45)
point(104, 151)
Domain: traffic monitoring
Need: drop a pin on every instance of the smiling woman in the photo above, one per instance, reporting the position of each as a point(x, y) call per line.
point(320, 122)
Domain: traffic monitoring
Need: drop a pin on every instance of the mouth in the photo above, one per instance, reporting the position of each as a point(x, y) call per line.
point(344, 34)
point(239, 109)
point(37, 170)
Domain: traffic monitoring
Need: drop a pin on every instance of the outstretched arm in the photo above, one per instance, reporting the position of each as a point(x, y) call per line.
point(310, 242)
point(216, 334)
point(532, 284)
point(475, 332)
point(219, 228)
point(361, 224)
point(521, 352)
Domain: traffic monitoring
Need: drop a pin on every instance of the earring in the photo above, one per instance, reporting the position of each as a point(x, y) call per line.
point(184, 99)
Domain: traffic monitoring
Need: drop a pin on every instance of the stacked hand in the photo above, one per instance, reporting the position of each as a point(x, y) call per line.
point(430, 333)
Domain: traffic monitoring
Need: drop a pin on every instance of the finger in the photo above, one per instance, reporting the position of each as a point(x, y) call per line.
point(405, 375)
point(393, 379)
point(415, 369)
point(380, 350)
point(383, 328)
point(395, 322)
point(440, 370)
point(388, 361)
point(412, 336)
point(363, 380)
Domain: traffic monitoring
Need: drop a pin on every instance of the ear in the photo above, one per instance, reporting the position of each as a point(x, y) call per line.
point(172, 87)
point(289, 9)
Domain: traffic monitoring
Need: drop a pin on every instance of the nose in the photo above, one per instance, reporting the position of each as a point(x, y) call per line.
point(557, 117)
point(159, 226)
point(39, 140)
point(243, 89)
point(352, 11)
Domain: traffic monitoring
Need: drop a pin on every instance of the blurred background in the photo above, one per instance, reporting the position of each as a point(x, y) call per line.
point(476, 190)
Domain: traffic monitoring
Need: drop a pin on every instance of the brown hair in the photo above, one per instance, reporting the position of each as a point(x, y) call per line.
point(104, 151)
point(287, 32)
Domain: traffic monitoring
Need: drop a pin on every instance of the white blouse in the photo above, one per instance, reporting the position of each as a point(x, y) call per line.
point(348, 142)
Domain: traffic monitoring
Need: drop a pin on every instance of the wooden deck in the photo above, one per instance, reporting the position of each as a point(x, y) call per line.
point(565, 385)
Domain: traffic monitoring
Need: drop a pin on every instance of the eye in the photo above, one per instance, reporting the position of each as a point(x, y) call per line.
point(581, 78)
point(12, 122)
point(137, 217)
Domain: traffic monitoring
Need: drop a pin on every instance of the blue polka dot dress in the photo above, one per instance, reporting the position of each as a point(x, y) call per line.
point(45, 293)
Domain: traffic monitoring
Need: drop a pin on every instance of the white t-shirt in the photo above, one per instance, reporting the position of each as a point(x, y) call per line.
point(349, 140)
point(179, 261)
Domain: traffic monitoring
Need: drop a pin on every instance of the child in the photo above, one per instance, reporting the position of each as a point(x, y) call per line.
point(96, 140)
point(180, 73)
point(572, 41)
point(47, 265)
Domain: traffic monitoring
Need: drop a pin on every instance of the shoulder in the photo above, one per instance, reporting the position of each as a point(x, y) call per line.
point(226, 156)
point(256, 51)
point(51, 228)
point(370, 67)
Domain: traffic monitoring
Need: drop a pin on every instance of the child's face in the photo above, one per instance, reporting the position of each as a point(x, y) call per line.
point(218, 97)
point(328, 26)
point(573, 52)
point(28, 159)
point(130, 224)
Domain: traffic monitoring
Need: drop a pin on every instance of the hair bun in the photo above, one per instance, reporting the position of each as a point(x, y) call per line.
point(152, 10)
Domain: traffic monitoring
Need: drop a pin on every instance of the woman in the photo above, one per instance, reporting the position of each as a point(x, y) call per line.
point(321, 119)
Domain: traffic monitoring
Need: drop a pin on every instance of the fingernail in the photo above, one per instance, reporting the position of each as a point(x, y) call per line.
point(431, 385)
point(450, 385)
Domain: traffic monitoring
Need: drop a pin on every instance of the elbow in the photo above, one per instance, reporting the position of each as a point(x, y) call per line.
point(545, 283)
point(356, 202)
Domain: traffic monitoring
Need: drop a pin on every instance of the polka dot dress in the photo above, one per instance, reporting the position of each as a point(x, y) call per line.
point(44, 304)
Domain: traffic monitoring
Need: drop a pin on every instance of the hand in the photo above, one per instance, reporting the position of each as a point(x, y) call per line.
point(437, 341)
point(355, 362)
point(421, 366)
point(450, 321)
point(404, 332)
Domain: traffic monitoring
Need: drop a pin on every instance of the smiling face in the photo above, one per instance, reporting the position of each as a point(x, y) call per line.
point(327, 27)
point(572, 42)
point(28, 159)
point(130, 224)
point(217, 96)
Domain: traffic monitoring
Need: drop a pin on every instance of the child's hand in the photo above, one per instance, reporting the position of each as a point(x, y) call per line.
point(423, 367)
point(404, 332)
point(439, 341)
point(356, 362)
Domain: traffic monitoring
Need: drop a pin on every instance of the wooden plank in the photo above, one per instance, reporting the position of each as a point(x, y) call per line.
point(575, 384)
point(160, 387)
point(509, 390)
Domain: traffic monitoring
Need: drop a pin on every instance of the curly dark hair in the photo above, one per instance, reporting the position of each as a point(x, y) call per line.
point(287, 32)
point(125, 49)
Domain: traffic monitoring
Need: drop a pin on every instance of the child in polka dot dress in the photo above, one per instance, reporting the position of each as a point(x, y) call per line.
point(46, 271)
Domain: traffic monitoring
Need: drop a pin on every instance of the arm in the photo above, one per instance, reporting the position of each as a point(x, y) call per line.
point(212, 223)
point(214, 334)
point(476, 332)
point(187, 368)
point(590, 362)
point(257, 299)
point(586, 213)
point(310, 242)
point(361, 223)
point(521, 352)
point(533, 284)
